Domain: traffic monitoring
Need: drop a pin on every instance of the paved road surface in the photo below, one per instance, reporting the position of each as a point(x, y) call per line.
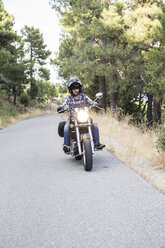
point(47, 200)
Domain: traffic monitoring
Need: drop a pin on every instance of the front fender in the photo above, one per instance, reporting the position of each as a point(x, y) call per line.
point(85, 136)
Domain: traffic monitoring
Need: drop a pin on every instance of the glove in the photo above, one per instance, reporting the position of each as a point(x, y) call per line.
point(59, 109)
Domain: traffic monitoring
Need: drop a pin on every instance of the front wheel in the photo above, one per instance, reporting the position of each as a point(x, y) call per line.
point(87, 155)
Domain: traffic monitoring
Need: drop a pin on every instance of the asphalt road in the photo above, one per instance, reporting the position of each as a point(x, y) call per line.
point(47, 200)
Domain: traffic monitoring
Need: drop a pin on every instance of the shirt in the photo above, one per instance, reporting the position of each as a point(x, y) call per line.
point(80, 102)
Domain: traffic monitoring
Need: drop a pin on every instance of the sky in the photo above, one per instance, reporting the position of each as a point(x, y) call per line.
point(37, 13)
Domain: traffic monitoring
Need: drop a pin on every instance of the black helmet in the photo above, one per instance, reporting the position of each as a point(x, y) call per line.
point(73, 82)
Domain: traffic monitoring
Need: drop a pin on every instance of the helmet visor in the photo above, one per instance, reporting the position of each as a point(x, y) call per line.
point(75, 86)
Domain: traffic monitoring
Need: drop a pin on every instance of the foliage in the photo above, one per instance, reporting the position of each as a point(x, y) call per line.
point(49, 91)
point(44, 90)
point(118, 40)
point(24, 99)
point(11, 64)
point(7, 112)
point(36, 56)
point(22, 60)
point(161, 140)
point(122, 42)
point(2, 95)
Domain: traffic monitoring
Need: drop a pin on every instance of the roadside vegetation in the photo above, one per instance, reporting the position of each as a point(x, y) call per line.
point(10, 114)
point(141, 149)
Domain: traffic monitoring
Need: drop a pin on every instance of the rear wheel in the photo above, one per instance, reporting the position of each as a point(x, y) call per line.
point(87, 155)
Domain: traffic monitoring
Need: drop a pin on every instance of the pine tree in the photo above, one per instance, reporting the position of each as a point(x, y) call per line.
point(113, 42)
point(11, 53)
point(36, 54)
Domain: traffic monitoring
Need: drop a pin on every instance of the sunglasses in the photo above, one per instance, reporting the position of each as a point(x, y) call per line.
point(75, 87)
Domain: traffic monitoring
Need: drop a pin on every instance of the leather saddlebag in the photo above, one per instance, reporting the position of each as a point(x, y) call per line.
point(61, 128)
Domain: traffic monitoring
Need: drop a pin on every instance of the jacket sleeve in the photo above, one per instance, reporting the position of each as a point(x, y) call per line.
point(64, 103)
point(62, 106)
point(89, 101)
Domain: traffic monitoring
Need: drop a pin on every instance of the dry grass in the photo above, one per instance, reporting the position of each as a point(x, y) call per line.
point(32, 112)
point(138, 142)
point(134, 147)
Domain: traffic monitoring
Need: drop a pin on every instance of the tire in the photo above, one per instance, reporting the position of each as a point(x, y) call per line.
point(78, 157)
point(87, 155)
point(61, 128)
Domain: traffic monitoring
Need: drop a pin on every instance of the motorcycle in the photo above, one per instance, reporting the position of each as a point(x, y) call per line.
point(81, 138)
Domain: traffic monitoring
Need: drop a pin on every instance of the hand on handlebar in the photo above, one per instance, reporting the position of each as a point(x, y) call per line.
point(99, 106)
point(62, 110)
point(59, 109)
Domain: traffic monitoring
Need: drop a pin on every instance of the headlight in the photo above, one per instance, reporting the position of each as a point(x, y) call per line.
point(82, 116)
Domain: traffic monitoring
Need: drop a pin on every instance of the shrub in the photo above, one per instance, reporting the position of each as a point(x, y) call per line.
point(7, 112)
point(24, 99)
point(160, 144)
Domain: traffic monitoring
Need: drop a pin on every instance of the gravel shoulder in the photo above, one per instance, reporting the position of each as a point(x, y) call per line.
point(143, 167)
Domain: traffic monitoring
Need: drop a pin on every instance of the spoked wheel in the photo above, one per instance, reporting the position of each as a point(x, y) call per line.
point(87, 155)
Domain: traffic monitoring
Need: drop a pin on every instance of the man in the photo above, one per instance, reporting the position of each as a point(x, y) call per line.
point(76, 100)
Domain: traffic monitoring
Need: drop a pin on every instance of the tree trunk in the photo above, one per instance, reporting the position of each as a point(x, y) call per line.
point(102, 88)
point(114, 96)
point(31, 74)
point(14, 95)
point(149, 111)
point(157, 110)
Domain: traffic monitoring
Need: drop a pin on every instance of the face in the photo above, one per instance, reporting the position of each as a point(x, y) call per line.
point(76, 91)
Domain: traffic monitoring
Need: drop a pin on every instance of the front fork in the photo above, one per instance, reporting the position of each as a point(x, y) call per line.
point(90, 136)
point(78, 138)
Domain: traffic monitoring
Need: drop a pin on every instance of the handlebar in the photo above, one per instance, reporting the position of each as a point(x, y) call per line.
point(60, 111)
point(97, 107)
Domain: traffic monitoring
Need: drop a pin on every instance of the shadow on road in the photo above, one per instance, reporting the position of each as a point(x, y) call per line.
point(101, 161)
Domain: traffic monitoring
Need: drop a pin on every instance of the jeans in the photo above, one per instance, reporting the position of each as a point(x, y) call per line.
point(95, 132)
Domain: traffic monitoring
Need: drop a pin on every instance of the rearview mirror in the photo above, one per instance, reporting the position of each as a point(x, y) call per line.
point(99, 95)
